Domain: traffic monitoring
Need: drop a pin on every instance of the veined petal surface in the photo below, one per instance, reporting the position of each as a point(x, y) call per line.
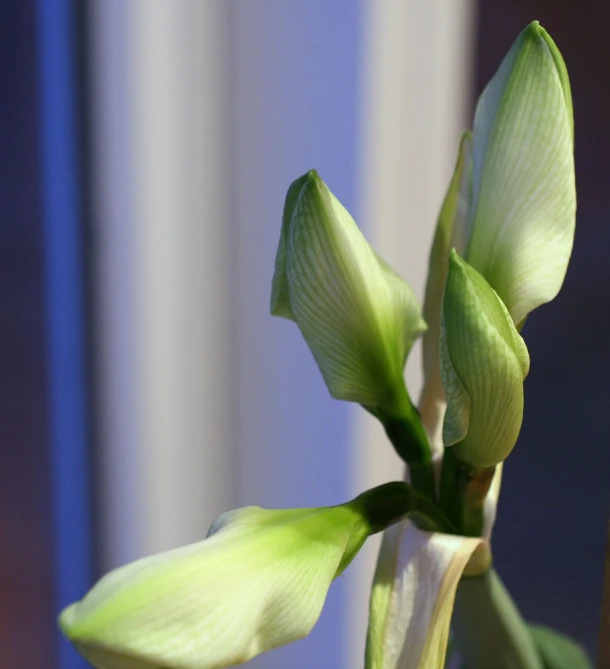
point(524, 197)
point(257, 582)
point(358, 317)
point(483, 363)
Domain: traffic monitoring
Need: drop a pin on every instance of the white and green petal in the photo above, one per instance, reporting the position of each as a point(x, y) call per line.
point(257, 582)
point(483, 364)
point(412, 598)
point(358, 317)
point(415, 583)
point(523, 187)
point(280, 295)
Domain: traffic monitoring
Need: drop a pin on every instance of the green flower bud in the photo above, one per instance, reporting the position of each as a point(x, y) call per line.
point(483, 363)
point(523, 189)
point(358, 317)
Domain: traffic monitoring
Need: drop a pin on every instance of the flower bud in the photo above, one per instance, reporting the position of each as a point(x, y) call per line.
point(483, 363)
point(523, 188)
point(358, 317)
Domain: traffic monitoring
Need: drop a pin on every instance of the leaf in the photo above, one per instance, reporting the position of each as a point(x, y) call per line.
point(557, 650)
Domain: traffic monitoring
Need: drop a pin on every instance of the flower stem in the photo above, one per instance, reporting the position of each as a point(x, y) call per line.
point(388, 503)
point(463, 492)
point(409, 439)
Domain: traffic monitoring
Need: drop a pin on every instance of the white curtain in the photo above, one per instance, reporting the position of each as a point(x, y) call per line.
point(203, 112)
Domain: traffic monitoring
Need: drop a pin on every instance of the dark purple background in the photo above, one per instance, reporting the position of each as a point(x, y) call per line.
point(26, 607)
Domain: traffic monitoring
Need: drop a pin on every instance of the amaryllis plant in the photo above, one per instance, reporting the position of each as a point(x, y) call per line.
point(260, 578)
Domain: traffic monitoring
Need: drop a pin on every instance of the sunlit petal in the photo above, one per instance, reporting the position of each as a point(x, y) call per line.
point(523, 190)
point(359, 318)
point(412, 599)
point(257, 582)
point(483, 363)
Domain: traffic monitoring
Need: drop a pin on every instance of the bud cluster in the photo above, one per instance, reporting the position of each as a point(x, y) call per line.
point(501, 249)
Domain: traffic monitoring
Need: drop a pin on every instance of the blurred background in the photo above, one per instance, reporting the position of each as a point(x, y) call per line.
point(146, 147)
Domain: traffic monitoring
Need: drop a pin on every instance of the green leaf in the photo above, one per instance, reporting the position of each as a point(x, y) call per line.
point(358, 317)
point(483, 363)
point(523, 189)
point(489, 630)
point(558, 651)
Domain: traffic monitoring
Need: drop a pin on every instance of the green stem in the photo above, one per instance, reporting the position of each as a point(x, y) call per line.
point(463, 492)
point(488, 628)
point(411, 443)
point(388, 503)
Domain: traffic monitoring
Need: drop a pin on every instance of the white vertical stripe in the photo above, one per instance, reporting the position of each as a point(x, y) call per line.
point(114, 285)
point(416, 93)
point(163, 224)
point(181, 214)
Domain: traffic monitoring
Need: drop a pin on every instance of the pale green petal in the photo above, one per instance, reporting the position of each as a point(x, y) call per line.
point(524, 198)
point(451, 231)
point(280, 297)
point(519, 346)
point(412, 598)
point(259, 581)
point(359, 318)
point(457, 413)
point(483, 359)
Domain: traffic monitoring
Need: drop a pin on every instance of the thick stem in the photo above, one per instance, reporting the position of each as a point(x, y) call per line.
point(388, 503)
point(488, 628)
point(411, 443)
point(463, 493)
